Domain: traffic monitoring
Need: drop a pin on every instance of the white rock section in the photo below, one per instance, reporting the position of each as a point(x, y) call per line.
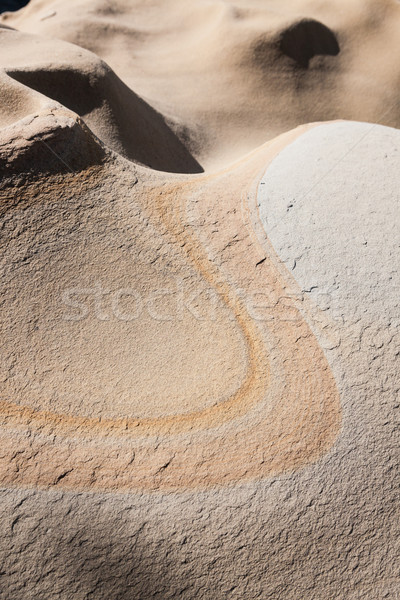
point(329, 204)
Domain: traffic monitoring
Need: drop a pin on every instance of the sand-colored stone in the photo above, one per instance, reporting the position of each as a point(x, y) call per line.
point(228, 75)
point(197, 425)
point(237, 437)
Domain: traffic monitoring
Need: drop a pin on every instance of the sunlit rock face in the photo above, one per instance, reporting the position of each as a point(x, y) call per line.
point(227, 76)
point(200, 317)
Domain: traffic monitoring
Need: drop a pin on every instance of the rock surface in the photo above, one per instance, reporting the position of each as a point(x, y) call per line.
point(199, 384)
point(228, 75)
point(327, 529)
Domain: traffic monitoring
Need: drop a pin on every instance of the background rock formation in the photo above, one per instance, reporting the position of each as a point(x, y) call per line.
point(231, 75)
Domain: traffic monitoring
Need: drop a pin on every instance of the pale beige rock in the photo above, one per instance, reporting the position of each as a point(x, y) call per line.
point(183, 413)
point(232, 74)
